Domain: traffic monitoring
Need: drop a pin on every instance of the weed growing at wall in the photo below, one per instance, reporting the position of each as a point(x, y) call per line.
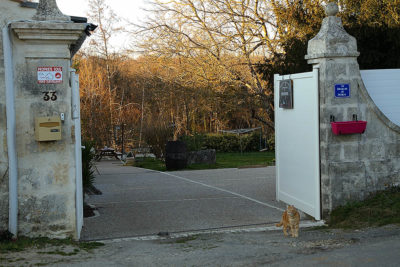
point(381, 208)
point(23, 243)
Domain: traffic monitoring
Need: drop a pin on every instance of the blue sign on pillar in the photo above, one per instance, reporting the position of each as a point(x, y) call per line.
point(342, 90)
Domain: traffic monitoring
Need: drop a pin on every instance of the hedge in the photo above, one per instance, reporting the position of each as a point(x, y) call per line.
point(226, 142)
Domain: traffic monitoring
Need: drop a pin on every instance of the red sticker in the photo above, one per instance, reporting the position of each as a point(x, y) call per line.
point(49, 75)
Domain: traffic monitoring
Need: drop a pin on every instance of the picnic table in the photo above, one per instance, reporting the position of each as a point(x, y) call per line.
point(107, 151)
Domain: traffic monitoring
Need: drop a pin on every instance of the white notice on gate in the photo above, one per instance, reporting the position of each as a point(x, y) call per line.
point(49, 75)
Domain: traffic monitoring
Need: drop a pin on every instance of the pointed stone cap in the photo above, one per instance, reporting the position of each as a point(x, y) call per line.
point(48, 11)
point(332, 40)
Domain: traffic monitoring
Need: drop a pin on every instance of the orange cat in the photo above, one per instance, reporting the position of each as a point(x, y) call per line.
point(290, 218)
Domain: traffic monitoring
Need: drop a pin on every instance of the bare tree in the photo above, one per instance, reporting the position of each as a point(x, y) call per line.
point(225, 36)
point(102, 15)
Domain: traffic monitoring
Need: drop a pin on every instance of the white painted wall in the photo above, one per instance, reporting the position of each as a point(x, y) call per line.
point(384, 88)
point(297, 144)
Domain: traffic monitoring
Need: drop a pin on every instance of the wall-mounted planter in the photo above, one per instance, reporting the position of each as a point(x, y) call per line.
point(348, 127)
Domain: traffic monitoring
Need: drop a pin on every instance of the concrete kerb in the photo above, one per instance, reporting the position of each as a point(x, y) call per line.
point(303, 225)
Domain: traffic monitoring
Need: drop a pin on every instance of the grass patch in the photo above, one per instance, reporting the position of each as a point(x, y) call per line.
point(88, 246)
point(23, 243)
point(183, 240)
point(223, 160)
point(150, 163)
point(381, 208)
point(237, 160)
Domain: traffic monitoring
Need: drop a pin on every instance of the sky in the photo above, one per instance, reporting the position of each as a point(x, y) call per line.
point(126, 9)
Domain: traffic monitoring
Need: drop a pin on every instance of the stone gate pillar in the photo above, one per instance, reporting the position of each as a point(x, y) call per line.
point(45, 143)
point(355, 164)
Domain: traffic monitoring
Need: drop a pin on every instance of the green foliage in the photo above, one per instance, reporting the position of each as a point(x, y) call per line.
point(88, 176)
point(186, 239)
point(224, 142)
point(381, 208)
point(376, 26)
point(150, 163)
point(374, 23)
point(194, 142)
point(298, 21)
point(223, 160)
point(271, 143)
point(381, 53)
point(239, 160)
point(23, 243)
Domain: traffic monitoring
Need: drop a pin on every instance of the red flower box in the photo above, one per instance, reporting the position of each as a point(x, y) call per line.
point(348, 127)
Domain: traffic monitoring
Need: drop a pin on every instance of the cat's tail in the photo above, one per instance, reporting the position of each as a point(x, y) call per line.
point(279, 224)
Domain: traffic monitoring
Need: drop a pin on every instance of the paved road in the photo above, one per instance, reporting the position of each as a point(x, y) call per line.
point(364, 248)
point(139, 202)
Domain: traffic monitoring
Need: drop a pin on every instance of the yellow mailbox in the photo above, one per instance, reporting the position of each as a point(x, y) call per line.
point(48, 129)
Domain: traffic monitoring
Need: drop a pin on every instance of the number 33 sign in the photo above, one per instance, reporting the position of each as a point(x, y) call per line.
point(49, 96)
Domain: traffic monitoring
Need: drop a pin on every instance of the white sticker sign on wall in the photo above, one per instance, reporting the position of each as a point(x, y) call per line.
point(49, 75)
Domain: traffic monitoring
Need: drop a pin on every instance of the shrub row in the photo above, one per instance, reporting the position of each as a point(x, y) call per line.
point(227, 142)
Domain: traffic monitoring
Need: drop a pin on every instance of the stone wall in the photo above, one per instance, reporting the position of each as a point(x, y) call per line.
point(207, 156)
point(352, 165)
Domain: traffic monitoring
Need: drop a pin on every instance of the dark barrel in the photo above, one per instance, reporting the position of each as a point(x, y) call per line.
point(175, 155)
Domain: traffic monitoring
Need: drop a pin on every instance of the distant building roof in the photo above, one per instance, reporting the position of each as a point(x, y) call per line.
point(384, 88)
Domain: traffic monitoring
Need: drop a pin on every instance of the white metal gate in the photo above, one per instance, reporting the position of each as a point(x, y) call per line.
point(297, 143)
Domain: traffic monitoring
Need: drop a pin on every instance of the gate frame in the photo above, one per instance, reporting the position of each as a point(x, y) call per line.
point(316, 211)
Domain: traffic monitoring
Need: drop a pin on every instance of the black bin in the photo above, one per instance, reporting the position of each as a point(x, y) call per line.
point(175, 155)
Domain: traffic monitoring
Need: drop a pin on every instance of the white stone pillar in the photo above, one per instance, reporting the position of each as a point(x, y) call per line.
point(46, 167)
point(355, 164)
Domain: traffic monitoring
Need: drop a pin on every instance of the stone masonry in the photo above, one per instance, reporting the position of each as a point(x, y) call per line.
point(46, 170)
point(354, 165)
point(10, 11)
point(207, 156)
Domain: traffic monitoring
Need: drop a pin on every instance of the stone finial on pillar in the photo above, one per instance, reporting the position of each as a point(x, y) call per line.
point(332, 40)
point(48, 10)
point(331, 9)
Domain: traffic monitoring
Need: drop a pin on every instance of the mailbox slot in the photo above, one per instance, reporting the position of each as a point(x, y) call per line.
point(286, 94)
point(47, 129)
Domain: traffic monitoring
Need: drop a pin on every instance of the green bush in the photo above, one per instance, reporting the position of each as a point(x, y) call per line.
point(194, 142)
point(223, 142)
point(271, 143)
point(88, 155)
